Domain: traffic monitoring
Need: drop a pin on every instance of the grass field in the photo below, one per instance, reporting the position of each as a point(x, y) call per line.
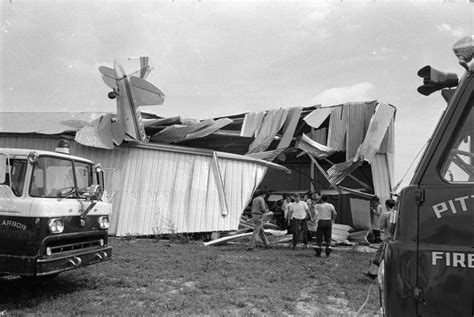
point(147, 276)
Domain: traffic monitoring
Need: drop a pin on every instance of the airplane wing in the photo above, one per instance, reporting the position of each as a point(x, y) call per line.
point(108, 76)
point(145, 93)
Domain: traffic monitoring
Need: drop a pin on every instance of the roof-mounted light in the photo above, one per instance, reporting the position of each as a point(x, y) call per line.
point(464, 50)
point(434, 80)
point(62, 147)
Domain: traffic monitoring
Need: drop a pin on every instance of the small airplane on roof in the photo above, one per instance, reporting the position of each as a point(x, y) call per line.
point(131, 92)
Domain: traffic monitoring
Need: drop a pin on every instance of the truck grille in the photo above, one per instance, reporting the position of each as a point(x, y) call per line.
point(66, 246)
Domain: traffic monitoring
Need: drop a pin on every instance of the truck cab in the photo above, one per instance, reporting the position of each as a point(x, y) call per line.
point(53, 213)
point(428, 267)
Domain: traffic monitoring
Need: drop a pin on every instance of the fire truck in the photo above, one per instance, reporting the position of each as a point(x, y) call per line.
point(429, 265)
point(53, 213)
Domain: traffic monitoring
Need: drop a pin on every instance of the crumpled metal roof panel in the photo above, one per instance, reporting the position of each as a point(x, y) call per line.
point(45, 122)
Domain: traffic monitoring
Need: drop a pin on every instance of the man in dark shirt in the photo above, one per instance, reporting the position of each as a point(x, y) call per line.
point(259, 208)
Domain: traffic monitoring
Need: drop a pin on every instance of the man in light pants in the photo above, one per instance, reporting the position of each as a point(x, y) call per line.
point(259, 208)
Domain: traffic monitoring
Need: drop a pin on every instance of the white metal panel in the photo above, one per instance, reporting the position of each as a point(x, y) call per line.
point(289, 127)
point(376, 132)
point(271, 124)
point(337, 129)
point(219, 124)
point(381, 177)
point(176, 133)
point(45, 122)
point(354, 127)
point(320, 135)
point(317, 116)
point(252, 122)
point(182, 194)
point(369, 111)
point(314, 148)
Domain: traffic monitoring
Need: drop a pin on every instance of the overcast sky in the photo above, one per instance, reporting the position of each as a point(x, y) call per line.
point(217, 59)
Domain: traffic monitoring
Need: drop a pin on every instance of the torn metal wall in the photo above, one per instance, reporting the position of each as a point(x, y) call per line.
point(165, 189)
point(381, 177)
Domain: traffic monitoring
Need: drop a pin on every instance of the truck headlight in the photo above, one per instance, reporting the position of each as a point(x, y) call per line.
point(56, 225)
point(103, 222)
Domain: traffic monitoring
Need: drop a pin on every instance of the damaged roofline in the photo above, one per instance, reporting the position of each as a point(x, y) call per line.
point(205, 152)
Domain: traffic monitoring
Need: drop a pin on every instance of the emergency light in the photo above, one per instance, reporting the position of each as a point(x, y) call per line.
point(464, 50)
point(62, 147)
point(434, 80)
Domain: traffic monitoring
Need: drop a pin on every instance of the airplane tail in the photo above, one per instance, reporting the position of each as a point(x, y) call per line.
point(131, 92)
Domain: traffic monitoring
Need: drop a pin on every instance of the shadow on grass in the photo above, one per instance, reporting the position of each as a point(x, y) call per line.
point(17, 293)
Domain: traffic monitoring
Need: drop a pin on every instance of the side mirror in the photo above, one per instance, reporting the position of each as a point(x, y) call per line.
point(94, 192)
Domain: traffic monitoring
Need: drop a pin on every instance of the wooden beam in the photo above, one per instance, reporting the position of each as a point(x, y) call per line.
point(358, 192)
point(323, 172)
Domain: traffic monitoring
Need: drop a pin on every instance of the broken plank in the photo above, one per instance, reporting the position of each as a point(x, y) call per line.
point(228, 238)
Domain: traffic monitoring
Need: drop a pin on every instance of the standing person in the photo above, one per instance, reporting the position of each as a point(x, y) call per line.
point(259, 208)
point(326, 216)
point(311, 223)
point(375, 214)
point(389, 220)
point(299, 213)
point(286, 209)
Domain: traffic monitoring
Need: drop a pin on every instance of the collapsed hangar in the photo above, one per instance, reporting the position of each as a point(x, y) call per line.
point(344, 150)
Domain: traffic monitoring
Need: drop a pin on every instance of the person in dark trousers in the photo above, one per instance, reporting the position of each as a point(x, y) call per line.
point(389, 220)
point(259, 208)
point(326, 214)
point(298, 215)
point(375, 215)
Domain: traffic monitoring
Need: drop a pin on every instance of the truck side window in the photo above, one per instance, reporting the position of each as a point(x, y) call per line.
point(459, 166)
point(83, 174)
point(18, 174)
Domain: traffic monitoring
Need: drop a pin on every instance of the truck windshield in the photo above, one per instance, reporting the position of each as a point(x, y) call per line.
point(56, 177)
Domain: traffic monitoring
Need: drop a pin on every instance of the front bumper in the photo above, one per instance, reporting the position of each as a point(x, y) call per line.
point(42, 266)
point(57, 264)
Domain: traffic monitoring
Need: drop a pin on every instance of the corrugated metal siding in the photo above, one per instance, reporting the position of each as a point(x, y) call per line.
point(164, 190)
point(368, 114)
point(183, 195)
point(314, 148)
point(320, 135)
point(289, 127)
point(337, 129)
point(209, 129)
point(271, 124)
point(354, 128)
point(376, 131)
point(317, 116)
point(381, 177)
point(177, 133)
point(252, 122)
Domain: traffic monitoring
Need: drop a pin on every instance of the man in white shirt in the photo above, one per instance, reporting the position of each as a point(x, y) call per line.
point(326, 214)
point(298, 214)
